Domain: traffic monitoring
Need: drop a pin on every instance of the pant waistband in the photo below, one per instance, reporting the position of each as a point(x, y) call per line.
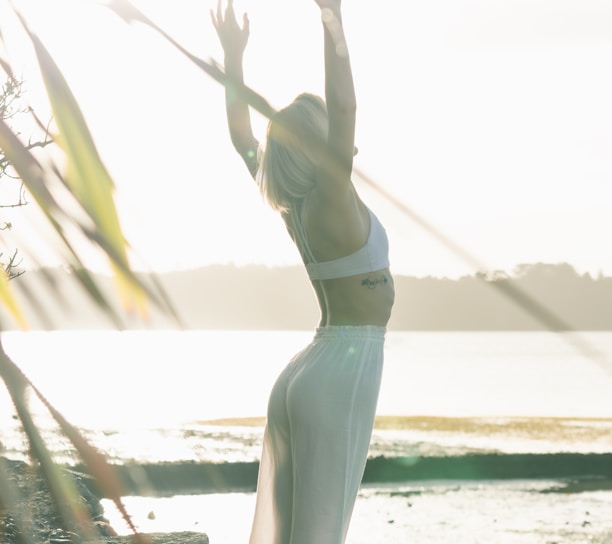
point(351, 331)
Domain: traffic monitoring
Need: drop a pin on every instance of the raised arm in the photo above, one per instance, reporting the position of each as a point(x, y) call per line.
point(340, 99)
point(234, 40)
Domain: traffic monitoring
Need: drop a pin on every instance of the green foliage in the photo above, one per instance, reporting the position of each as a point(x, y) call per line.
point(92, 214)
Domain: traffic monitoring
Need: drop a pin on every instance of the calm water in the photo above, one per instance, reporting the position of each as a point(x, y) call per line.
point(110, 379)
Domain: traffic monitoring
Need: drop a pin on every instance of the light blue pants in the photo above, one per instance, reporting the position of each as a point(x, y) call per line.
point(320, 418)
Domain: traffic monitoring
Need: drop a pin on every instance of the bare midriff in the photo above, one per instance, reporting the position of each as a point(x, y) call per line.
point(365, 299)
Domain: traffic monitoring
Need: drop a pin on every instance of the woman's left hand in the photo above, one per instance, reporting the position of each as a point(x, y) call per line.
point(233, 38)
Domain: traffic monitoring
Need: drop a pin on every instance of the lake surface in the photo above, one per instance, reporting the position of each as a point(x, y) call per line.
point(109, 379)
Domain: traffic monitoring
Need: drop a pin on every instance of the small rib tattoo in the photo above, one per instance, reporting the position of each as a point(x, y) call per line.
point(372, 283)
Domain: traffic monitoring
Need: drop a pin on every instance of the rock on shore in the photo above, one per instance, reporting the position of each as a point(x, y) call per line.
point(39, 512)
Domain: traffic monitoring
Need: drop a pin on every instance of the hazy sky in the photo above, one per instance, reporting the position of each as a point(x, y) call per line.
point(491, 119)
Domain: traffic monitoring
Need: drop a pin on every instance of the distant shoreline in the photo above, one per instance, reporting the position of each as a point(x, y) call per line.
point(227, 297)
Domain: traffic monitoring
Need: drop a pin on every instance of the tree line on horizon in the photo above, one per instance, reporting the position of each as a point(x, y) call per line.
point(226, 296)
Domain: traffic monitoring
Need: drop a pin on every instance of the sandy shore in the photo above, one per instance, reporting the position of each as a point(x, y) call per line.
point(461, 512)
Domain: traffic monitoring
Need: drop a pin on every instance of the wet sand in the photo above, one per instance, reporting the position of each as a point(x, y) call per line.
point(468, 512)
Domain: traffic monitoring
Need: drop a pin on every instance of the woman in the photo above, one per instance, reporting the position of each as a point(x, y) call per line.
point(321, 409)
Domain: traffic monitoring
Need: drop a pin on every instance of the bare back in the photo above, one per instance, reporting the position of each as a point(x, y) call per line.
point(336, 229)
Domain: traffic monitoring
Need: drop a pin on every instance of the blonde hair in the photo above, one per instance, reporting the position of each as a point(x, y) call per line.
point(288, 165)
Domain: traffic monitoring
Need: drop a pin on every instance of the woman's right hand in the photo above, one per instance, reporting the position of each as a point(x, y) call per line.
point(233, 38)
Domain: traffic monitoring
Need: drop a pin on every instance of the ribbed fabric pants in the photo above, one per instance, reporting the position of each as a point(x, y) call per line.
point(320, 418)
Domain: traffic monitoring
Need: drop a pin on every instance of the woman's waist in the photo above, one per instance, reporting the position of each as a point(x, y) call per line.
point(359, 304)
point(352, 316)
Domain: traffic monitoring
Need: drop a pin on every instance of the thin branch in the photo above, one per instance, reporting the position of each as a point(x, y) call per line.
point(10, 268)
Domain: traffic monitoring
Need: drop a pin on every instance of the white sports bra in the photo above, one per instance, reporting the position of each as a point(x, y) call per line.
point(373, 256)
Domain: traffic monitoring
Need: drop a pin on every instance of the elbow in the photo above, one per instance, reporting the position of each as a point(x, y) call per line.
point(243, 145)
point(237, 143)
point(349, 108)
point(343, 114)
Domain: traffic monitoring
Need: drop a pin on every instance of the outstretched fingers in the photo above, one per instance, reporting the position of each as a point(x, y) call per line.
point(245, 25)
point(233, 36)
point(229, 11)
point(217, 17)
